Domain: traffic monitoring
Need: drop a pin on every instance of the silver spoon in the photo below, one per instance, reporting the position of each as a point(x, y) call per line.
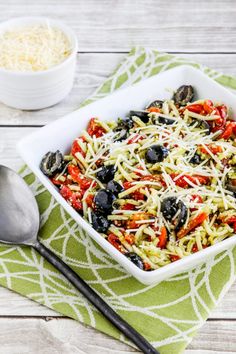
point(19, 225)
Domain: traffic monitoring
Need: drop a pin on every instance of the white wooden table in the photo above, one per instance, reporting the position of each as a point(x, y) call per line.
point(107, 29)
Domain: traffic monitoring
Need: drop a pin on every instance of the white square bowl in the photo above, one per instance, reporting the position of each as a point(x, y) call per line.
point(61, 133)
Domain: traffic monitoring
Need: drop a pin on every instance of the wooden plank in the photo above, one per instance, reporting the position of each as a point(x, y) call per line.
point(215, 337)
point(65, 336)
point(92, 70)
point(111, 25)
point(8, 141)
point(55, 336)
point(13, 304)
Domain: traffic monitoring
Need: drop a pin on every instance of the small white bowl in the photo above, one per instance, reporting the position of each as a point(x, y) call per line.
point(53, 137)
point(40, 89)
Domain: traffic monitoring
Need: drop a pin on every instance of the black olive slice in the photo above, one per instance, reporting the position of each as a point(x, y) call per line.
point(126, 123)
point(143, 115)
point(114, 187)
point(182, 217)
point(156, 103)
point(201, 124)
point(103, 201)
point(165, 120)
point(100, 223)
point(205, 126)
point(122, 135)
point(183, 95)
point(106, 174)
point(136, 259)
point(195, 159)
point(170, 207)
point(52, 163)
point(156, 153)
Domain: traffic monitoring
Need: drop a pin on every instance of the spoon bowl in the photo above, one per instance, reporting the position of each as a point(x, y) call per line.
point(19, 214)
point(19, 225)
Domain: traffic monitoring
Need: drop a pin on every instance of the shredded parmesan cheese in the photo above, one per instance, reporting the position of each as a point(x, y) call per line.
point(195, 172)
point(33, 48)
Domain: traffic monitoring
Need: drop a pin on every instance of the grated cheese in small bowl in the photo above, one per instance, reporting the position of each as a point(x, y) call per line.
point(33, 48)
point(37, 62)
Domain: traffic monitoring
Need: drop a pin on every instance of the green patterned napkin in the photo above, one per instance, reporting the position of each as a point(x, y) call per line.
point(167, 314)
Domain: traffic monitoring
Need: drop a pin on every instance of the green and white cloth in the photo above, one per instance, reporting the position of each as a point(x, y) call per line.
point(168, 314)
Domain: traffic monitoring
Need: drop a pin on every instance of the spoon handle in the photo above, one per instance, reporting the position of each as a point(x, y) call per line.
point(96, 300)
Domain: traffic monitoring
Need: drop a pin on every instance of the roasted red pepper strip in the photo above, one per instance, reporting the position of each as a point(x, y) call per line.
point(196, 198)
point(57, 182)
point(74, 171)
point(66, 192)
point(174, 258)
point(230, 220)
point(77, 148)
point(234, 129)
point(198, 220)
point(129, 238)
point(127, 185)
point(219, 123)
point(135, 139)
point(155, 178)
point(195, 248)
point(95, 129)
point(138, 195)
point(196, 108)
point(131, 223)
point(163, 238)
point(75, 202)
point(213, 148)
point(146, 266)
point(114, 240)
point(72, 197)
point(89, 200)
point(139, 174)
point(128, 206)
point(196, 179)
point(229, 130)
point(78, 177)
point(208, 106)
point(222, 111)
point(154, 109)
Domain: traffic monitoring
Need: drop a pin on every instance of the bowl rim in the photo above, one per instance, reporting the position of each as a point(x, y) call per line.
point(145, 277)
point(24, 20)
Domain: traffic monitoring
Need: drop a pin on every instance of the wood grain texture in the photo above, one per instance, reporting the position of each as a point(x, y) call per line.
point(92, 69)
point(65, 336)
point(13, 304)
point(116, 25)
point(8, 141)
